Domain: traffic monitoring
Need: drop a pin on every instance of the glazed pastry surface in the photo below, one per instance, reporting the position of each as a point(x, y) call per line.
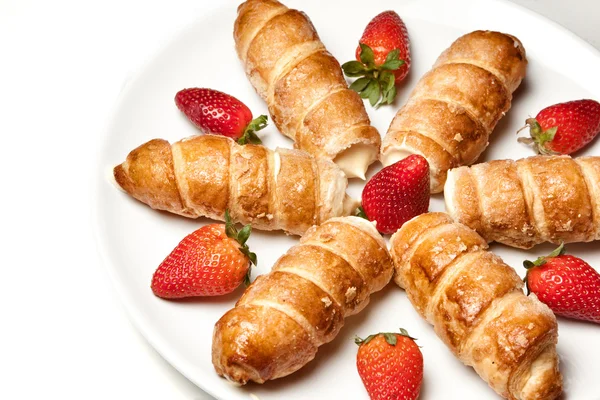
point(284, 316)
point(529, 201)
point(476, 305)
point(205, 175)
point(303, 85)
point(454, 108)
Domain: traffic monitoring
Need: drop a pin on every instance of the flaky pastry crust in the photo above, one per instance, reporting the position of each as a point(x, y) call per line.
point(302, 83)
point(476, 305)
point(529, 201)
point(208, 174)
point(284, 316)
point(454, 108)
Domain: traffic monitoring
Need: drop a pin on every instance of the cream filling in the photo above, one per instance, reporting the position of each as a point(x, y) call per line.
point(395, 154)
point(364, 225)
point(399, 152)
point(349, 205)
point(355, 160)
point(334, 197)
point(449, 189)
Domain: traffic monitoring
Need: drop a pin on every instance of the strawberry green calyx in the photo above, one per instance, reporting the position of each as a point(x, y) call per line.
point(254, 126)
point(559, 251)
point(539, 138)
point(360, 212)
point(389, 337)
point(376, 82)
point(529, 265)
point(241, 237)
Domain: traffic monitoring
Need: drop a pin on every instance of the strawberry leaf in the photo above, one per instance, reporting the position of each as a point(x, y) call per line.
point(244, 234)
point(252, 256)
point(375, 93)
point(241, 237)
point(367, 56)
point(230, 230)
point(366, 93)
point(559, 251)
point(539, 138)
point(376, 82)
point(360, 212)
point(404, 332)
point(390, 95)
point(527, 285)
point(392, 61)
point(392, 56)
point(247, 278)
point(390, 338)
point(387, 79)
point(366, 340)
point(525, 140)
point(392, 65)
point(360, 84)
point(254, 126)
point(354, 68)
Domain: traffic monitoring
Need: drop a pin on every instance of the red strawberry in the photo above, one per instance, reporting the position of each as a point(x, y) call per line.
point(383, 56)
point(564, 128)
point(387, 32)
point(397, 193)
point(390, 366)
point(567, 284)
point(211, 261)
point(219, 113)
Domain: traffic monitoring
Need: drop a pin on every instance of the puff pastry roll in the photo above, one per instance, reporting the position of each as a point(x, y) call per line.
point(303, 85)
point(284, 316)
point(205, 175)
point(454, 108)
point(533, 200)
point(477, 307)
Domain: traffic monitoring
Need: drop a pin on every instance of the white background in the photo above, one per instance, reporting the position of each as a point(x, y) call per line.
point(63, 331)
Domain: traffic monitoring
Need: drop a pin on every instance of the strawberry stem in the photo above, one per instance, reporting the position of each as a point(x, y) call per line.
point(559, 251)
point(247, 278)
point(254, 126)
point(539, 138)
point(360, 212)
point(390, 337)
point(241, 237)
point(529, 265)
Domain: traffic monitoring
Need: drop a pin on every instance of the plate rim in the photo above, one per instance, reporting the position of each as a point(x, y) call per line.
point(98, 173)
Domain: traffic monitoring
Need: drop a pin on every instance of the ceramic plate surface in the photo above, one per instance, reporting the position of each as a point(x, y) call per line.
point(134, 239)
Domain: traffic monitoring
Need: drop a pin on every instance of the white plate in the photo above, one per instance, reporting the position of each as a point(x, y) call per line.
point(134, 239)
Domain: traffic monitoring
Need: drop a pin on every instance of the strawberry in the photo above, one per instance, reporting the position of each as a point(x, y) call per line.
point(567, 284)
point(211, 261)
point(564, 128)
point(390, 366)
point(383, 59)
point(220, 114)
point(397, 193)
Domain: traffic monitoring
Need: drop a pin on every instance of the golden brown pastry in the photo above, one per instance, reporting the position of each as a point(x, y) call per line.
point(303, 85)
point(205, 175)
point(476, 305)
point(284, 316)
point(454, 108)
point(529, 201)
